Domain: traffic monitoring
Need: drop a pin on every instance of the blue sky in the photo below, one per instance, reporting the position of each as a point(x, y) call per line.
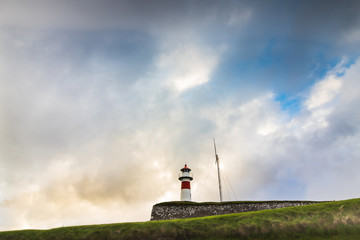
point(102, 102)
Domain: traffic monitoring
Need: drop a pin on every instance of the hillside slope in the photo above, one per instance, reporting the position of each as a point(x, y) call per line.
point(331, 220)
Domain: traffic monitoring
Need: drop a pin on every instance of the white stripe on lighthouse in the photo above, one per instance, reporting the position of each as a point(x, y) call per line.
point(185, 195)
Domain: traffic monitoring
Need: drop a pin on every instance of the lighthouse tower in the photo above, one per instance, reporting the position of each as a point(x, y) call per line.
point(185, 177)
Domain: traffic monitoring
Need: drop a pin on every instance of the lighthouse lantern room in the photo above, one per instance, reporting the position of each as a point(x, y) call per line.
point(185, 177)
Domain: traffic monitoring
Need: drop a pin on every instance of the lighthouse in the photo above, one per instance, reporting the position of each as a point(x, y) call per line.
point(185, 177)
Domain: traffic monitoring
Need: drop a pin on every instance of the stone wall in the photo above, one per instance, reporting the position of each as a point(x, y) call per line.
point(175, 210)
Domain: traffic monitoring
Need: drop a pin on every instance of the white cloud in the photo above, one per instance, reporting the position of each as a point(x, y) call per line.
point(187, 65)
point(323, 92)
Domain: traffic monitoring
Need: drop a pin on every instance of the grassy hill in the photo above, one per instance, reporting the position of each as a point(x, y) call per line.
point(331, 220)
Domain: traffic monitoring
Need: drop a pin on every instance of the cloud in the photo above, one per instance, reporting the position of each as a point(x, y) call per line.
point(108, 14)
point(324, 92)
point(307, 37)
point(239, 17)
point(187, 66)
point(84, 136)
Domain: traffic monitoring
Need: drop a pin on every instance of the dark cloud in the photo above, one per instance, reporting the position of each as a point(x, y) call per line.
point(307, 20)
point(109, 14)
point(307, 36)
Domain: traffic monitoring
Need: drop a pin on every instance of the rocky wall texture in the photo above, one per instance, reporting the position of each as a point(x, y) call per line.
point(175, 210)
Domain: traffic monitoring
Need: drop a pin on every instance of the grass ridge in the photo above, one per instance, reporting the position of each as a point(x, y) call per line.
point(328, 220)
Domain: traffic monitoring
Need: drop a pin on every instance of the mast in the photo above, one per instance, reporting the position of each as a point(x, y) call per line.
point(218, 169)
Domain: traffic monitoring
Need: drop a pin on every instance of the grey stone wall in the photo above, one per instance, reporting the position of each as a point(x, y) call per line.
point(175, 210)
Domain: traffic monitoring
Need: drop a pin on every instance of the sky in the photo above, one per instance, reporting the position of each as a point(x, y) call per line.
point(103, 102)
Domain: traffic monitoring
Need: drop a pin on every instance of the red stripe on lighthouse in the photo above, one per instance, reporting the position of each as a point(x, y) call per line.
point(185, 185)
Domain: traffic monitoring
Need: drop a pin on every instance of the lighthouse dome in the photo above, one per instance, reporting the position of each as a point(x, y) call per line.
point(185, 174)
point(185, 169)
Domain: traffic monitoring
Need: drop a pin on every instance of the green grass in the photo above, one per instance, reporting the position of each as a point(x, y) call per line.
point(330, 220)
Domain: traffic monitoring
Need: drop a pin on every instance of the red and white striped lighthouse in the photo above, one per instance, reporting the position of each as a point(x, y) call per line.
point(185, 177)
